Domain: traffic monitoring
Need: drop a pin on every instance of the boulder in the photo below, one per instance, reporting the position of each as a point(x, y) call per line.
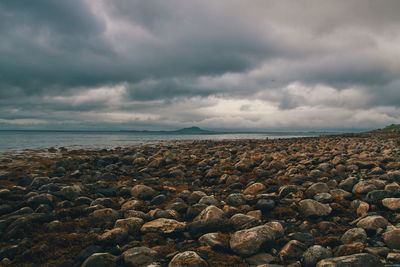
point(310, 207)
point(361, 260)
point(187, 259)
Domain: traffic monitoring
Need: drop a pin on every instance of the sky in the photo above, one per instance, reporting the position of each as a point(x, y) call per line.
point(217, 64)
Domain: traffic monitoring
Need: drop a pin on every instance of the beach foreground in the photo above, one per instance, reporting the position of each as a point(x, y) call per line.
point(321, 201)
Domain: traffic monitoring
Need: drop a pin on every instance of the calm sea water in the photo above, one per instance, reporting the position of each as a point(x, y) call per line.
point(20, 140)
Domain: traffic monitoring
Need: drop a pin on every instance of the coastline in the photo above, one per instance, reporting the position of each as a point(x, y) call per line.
point(162, 199)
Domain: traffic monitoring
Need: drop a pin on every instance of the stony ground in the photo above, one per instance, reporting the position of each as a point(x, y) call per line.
point(326, 201)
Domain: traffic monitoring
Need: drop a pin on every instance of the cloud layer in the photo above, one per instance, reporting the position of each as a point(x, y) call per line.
point(163, 64)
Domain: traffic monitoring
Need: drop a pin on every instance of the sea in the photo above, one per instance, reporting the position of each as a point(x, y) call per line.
point(22, 140)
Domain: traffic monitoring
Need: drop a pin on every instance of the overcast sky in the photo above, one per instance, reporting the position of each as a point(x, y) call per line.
point(167, 64)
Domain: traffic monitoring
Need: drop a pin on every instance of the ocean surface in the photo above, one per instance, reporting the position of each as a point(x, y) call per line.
point(20, 140)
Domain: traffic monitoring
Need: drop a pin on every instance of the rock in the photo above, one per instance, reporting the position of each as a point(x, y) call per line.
point(208, 200)
point(104, 216)
point(340, 193)
point(392, 238)
point(292, 250)
point(9, 251)
point(143, 192)
point(236, 199)
point(211, 219)
point(39, 181)
point(71, 192)
point(195, 197)
point(100, 260)
point(254, 188)
point(265, 204)
point(139, 256)
point(376, 196)
point(260, 259)
point(114, 236)
point(372, 222)
point(310, 207)
point(364, 187)
point(163, 226)
point(348, 184)
point(354, 235)
point(187, 259)
point(361, 260)
point(249, 241)
point(4, 209)
point(35, 201)
point(349, 249)
point(55, 226)
point(314, 254)
point(241, 221)
point(132, 225)
point(105, 202)
point(215, 240)
point(323, 197)
point(391, 203)
point(317, 188)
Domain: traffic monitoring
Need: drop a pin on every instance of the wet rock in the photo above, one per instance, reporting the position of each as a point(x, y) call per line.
point(143, 192)
point(133, 205)
point(392, 238)
point(186, 259)
point(372, 222)
point(241, 221)
point(309, 208)
point(391, 203)
point(100, 260)
point(292, 250)
point(354, 235)
point(39, 181)
point(4, 209)
point(55, 226)
point(249, 241)
point(361, 259)
point(314, 254)
point(254, 188)
point(236, 199)
point(164, 226)
point(139, 256)
point(9, 251)
point(158, 200)
point(132, 225)
point(114, 236)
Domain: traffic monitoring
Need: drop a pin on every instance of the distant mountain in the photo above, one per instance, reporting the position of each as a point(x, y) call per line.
point(192, 130)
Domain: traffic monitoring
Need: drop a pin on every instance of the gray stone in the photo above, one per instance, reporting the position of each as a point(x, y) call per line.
point(372, 222)
point(241, 221)
point(310, 207)
point(187, 259)
point(139, 256)
point(354, 235)
point(163, 226)
point(248, 242)
point(314, 254)
point(356, 260)
point(392, 238)
point(236, 199)
point(100, 260)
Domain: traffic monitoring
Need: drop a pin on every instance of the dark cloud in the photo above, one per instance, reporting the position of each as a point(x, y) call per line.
point(212, 63)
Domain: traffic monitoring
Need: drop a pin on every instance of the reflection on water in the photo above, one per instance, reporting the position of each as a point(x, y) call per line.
point(19, 140)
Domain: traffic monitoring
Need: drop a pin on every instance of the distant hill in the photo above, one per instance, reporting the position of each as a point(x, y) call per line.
point(192, 130)
point(391, 129)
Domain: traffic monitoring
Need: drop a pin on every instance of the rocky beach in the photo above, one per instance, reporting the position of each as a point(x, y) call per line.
point(318, 201)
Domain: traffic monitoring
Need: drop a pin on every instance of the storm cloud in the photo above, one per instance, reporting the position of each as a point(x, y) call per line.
point(226, 64)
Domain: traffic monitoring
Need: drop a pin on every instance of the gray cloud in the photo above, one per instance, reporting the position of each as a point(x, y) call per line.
point(174, 63)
